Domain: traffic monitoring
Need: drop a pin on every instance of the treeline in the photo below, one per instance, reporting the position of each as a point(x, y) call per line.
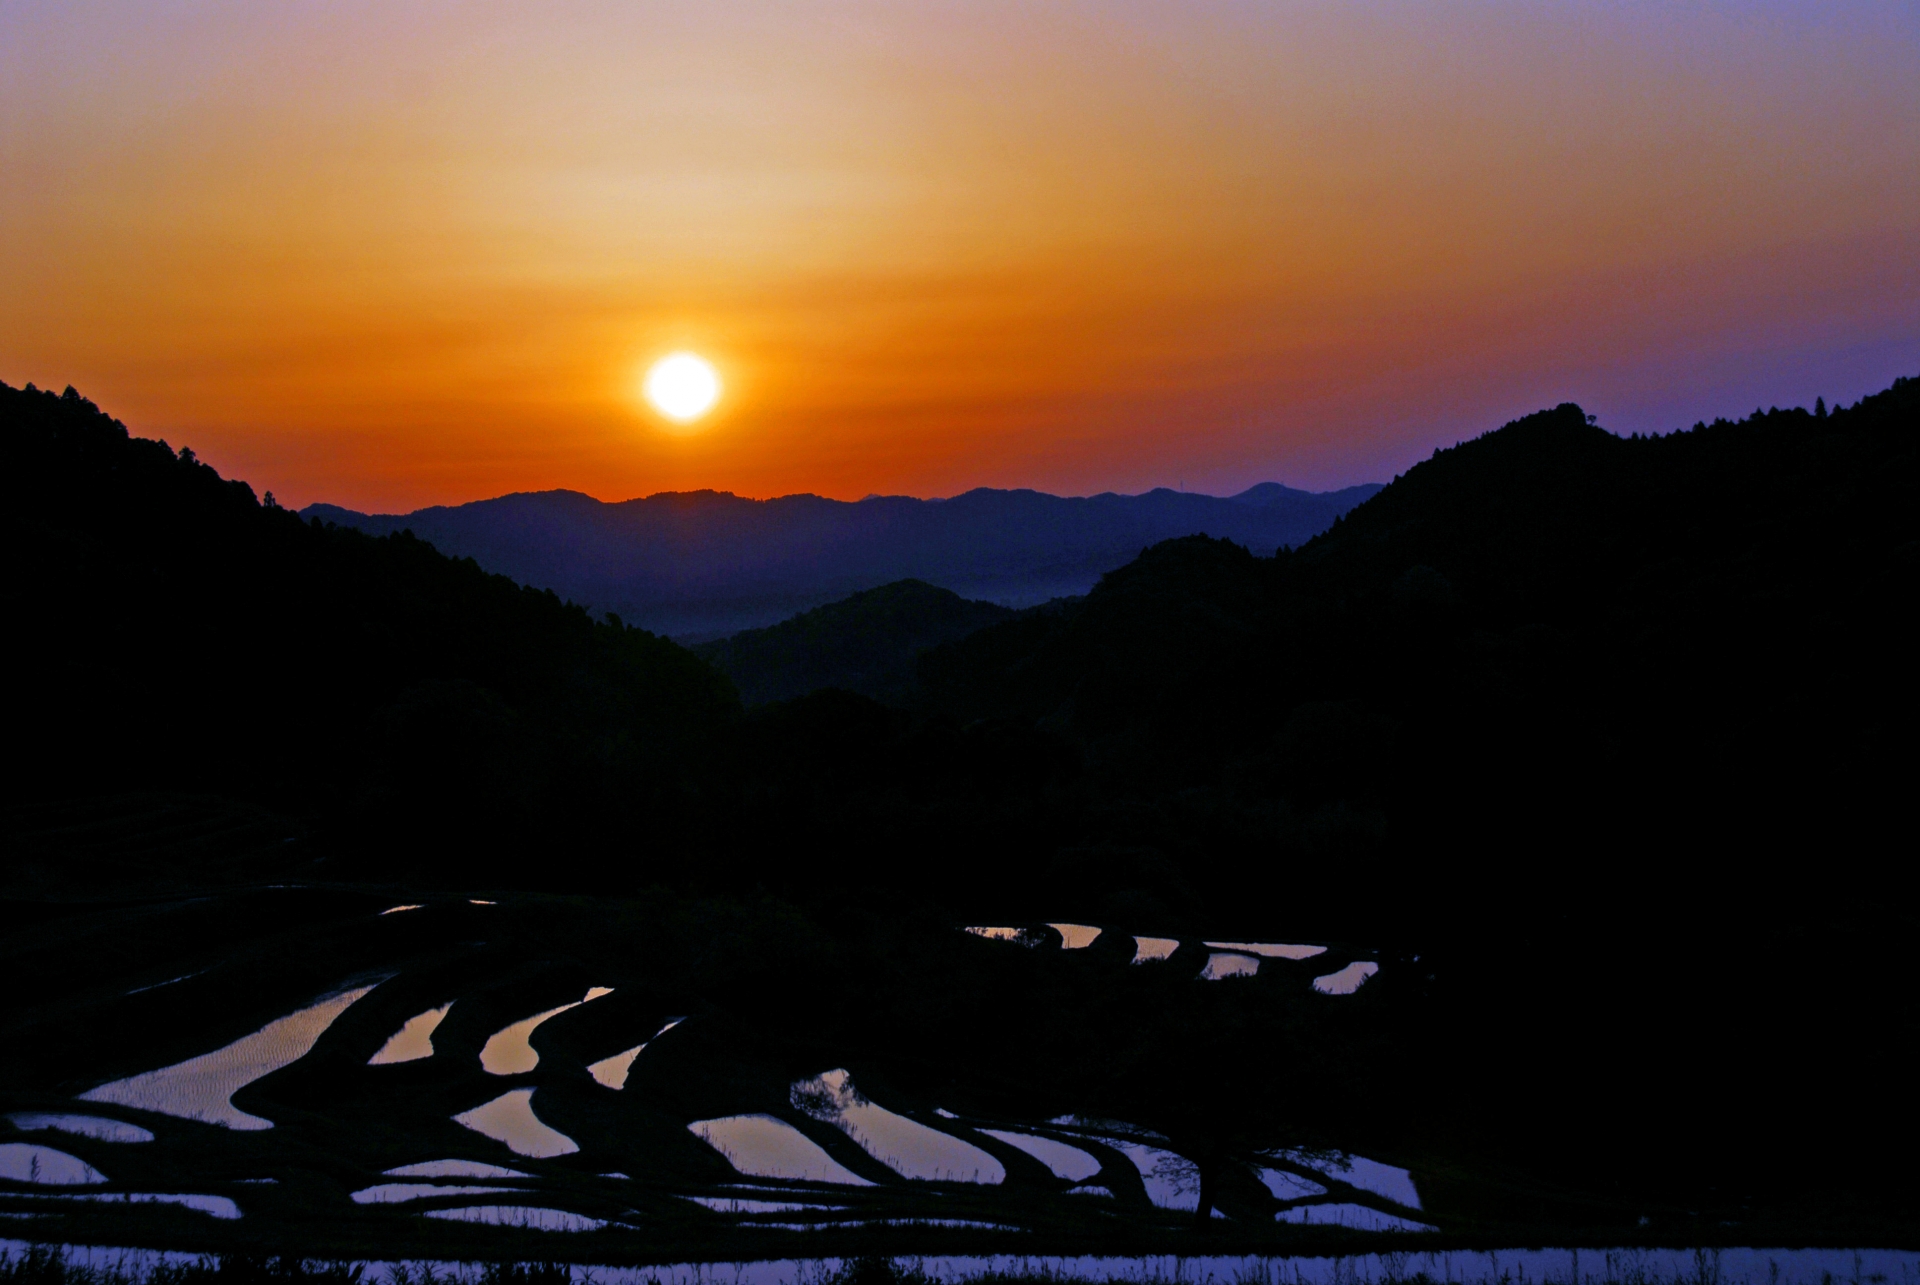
point(1612, 735)
point(171, 632)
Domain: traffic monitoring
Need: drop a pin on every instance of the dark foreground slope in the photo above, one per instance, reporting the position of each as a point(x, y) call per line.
point(868, 643)
point(1593, 746)
point(1619, 731)
point(172, 635)
point(707, 563)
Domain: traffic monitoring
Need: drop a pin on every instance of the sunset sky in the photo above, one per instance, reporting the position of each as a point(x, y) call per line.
point(389, 255)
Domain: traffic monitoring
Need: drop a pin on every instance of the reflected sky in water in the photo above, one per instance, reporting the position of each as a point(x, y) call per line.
point(762, 1146)
point(1147, 949)
point(1067, 1162)
point(33, 1163)
point(96, 1127)
point(200, 1088)
point(533, 1217)
point(414, 1040)
point(509, 1118)
point(1348, 979)
point(909, 1148)
point(508, 1051)
point(1075, 936)
point(1269, 949)
point(1222, 964)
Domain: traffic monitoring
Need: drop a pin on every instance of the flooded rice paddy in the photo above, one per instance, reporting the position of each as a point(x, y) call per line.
point(531, 1217)
point(414, 1040)
point(510, 1051)
point(764, 1146)
point(380, 1105)
point(910, 1149)
point(1744, 1265)
point(45, 1167)
point(509, 1118)
point(202, 1088)
point(97, 1127)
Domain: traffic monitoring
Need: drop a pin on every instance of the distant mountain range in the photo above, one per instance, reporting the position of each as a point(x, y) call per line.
point(705, 564)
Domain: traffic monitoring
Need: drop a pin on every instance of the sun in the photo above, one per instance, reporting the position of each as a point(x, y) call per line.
point(682, 386)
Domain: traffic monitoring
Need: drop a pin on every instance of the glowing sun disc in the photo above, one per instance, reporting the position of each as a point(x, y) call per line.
point(682, 387)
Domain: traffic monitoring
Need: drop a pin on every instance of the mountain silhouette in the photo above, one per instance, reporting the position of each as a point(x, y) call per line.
point(185, 638)
point(868, 643)
point(703, 564)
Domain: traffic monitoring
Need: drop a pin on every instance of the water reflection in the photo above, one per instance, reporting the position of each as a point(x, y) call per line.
point(200, 1088)
point(394, 910)
point(906, 1146)
point(1227, 964)
point(612, 1071)
point(509, 1118)
point(1348, 979)
point(1287, 1185)
point(454, 1169)
point(394, 1193)
point(217, 1206)
point(740, 1205)
point(1269, 949)
point(1358, 1217)
point(1172, 1181)
point(1022, 936)
point(1358, 1171)
point(529, 1216)
point(1075, 936)
point(99, 1128)
point(1147, 949)
point(413, 1041)
point(1067, 1162)
point(762, 1146)
point(29, 1162)
point(508, 1051)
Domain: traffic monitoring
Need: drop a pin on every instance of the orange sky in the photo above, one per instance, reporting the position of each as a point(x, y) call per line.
point(394, 255)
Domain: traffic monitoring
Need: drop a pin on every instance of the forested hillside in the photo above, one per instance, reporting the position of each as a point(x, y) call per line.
point(173, 633)
point(869, 643)
point(702, 564)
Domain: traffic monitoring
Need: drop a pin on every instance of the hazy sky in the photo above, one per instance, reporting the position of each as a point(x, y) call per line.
point(397, 254)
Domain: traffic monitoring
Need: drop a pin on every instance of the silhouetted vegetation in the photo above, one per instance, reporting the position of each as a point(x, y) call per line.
point(869, 643)
point(1602, 745)
point(173, 634)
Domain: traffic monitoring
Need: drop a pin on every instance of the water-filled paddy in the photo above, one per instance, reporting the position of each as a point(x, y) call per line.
point(1066, 1162)
point(394, 1193)
point(510, 1051)
point(1268, 949)
point(1222, 964)
point(909, 1148)
point(414, 1040)
point(531, 1217)
point(612, 1072)
point(763, 1146)
point(45, 1166)
point(509, 1118)
point(453, 1169)
point(1347, 980)
point(201, 1088)
point(97, 1127)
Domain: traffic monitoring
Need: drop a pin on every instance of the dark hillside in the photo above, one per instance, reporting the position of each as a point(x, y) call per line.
point(705, 564)
point(172, 633)
point(868, 643)
point(1616, 732)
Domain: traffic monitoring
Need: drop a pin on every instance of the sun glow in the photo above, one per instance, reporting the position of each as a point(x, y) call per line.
point(682, 387)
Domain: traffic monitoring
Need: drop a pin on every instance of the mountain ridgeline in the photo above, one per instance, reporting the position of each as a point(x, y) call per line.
point(1598, 742)
point(703, 564)
point(869, 643)
point(181, 638)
